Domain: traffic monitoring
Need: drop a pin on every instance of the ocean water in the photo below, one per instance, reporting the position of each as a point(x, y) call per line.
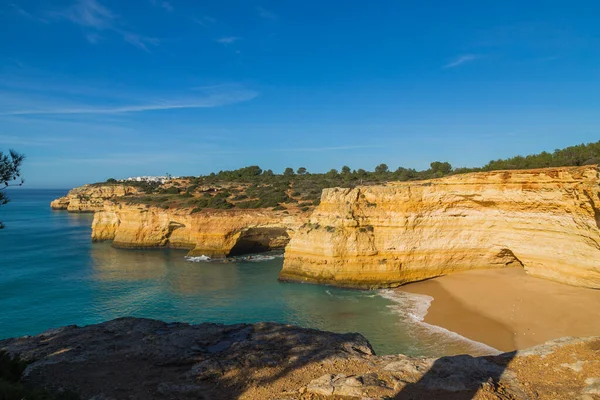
point(51, 275)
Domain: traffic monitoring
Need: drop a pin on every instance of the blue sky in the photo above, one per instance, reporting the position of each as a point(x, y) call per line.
point(92, 89)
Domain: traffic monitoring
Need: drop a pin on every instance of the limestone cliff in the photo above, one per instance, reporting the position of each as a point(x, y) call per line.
point(90, 198)
point(546, 220)
point(216, 233)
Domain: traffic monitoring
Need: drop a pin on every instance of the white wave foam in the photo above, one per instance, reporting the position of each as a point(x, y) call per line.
point(409, 305)
point(201, 258)
point(248, 258)
point(257, 257)
point(413, 308)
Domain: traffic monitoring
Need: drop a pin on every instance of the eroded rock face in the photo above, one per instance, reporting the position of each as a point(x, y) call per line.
point(546, 220)
point(217, 233)
point(90, 198)
point(132, 358)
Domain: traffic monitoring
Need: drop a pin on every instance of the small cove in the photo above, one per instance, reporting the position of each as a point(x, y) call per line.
point(51, 275)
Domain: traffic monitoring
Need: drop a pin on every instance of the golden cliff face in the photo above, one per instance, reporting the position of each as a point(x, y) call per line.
point(90, 198)
point(216, 233)
point(546, 220)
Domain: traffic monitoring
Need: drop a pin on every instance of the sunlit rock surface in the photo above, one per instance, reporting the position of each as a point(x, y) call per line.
point(90, 198)
point(546, 220)
point(213, 233)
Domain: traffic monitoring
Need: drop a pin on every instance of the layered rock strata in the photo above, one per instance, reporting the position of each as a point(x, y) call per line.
point(545, 220)
point(133, 358)
point(216, 233)
point(90, 198)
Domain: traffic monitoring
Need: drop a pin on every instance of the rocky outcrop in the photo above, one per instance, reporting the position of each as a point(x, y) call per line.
point(90, 198)
point(133, 358)
point(213, 233)
point(545, 220)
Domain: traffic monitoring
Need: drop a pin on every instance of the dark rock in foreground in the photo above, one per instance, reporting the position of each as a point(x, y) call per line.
point(131, 358)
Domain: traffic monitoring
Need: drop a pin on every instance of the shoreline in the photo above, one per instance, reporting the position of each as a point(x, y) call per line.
point(508, 309)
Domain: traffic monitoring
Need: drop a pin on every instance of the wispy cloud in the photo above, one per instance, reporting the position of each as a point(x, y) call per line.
point(127, 158)
point(138, 158)
point(266, 14)
point(16, 62)
point(536, 37)
point(163, 4)
point(327, 148)
point(534, 42)
point(139, 41)
point(21, 12)
point(227, 40)
point(32, 102)
point(465, 58)
point(91, 14)
point(93, 38)
point(294, 149)
point(38, 141)
point(204, 20)
point(199, 103)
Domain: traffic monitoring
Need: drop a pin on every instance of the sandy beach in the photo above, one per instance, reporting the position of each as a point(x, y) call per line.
point(508, 309)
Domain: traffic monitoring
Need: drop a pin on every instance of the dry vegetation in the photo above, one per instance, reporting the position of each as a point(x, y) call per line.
point(254, 188)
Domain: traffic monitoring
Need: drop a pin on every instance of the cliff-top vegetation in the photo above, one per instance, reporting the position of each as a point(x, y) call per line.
point(11, 387)
point(252, 187)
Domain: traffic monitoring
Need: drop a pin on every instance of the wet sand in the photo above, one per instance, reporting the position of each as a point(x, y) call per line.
point(508, 309)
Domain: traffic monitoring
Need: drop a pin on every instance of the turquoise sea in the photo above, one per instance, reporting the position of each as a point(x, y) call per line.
point(51, 275)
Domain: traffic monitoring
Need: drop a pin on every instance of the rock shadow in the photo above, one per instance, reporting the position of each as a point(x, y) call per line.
point(135, 358)
point(462, 377)
point(259, 240)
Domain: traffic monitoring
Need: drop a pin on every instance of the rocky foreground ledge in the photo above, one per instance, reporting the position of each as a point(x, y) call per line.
point(132, 358)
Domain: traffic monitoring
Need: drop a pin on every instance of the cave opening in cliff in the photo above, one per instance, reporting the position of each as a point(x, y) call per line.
point(259, 240)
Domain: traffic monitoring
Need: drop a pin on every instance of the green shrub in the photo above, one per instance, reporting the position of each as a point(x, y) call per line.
point(220, 203)
point(251, 187)
point(246, 204)
point(217, 202)
point(11, 369)
point(171, 190)
point(11, 388)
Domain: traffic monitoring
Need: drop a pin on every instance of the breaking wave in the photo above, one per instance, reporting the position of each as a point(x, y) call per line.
point(245, 258)
point(412, 308)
